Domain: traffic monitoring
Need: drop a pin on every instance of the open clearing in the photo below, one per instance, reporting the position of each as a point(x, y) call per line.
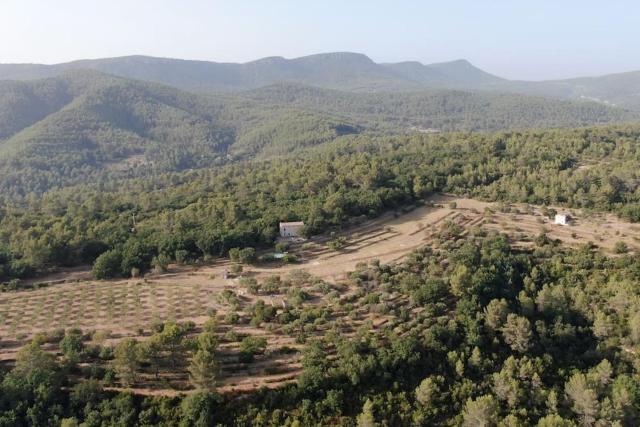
point(129, 307)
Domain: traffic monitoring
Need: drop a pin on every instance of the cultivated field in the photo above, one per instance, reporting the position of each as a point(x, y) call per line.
point(130, 307)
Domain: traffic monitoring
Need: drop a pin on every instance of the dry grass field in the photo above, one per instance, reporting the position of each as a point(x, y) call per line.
point(129, 308)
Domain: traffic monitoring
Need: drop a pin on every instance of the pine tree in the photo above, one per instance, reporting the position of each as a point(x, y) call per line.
point(583, 398)
point(366, 418)
point(126, 360)
point(204, 368)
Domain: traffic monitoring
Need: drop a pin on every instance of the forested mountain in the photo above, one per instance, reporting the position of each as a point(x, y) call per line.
point(70, 127)
point(340, 70)
point(85, 126)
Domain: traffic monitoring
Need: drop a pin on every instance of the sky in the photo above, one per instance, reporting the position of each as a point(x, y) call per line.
point(516, 39)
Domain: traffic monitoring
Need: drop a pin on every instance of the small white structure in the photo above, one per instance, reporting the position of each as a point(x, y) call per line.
point(291, 229)
point(562, 219)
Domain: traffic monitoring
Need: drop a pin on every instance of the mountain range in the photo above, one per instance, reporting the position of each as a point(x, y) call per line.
point(120, 118)
point(340, 70)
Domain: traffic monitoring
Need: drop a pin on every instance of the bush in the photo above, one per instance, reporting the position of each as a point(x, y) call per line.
point(267, 258)
point(106, 353)
point(281, 247)
point(337, 243)
point(234, 254)
point(160, 263)
point(243, 256)
point(107, 265)
point(71, 345)
point(232, 318)
point(297, 296)
point(289, 258)
point(231, 336)
point(250, 346)
point(135, 254)
point(182, 256)
point(541, 239)
point(620, 248)
point(272, 284)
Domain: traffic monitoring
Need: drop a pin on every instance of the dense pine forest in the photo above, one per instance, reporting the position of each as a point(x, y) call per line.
point(204, 213)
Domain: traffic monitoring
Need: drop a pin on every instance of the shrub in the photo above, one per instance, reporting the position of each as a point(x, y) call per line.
point(232, 318)
point(267, 258)
point(71, 345)
point(289, 258)
point(107, 265)
point(160, 263)
point(272, 284)
point(297, 296)
point(181, 256)
point(250, 346)
point(337, 243)
point(247, 255)
point(234, 254)
point(231, 336)
point(106, 353)
point(620, 248)
point(281, 247)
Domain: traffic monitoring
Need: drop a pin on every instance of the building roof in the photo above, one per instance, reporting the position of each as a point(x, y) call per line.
point(295, 223)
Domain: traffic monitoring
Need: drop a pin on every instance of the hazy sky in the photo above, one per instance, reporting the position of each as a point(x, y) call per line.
point(516, 39)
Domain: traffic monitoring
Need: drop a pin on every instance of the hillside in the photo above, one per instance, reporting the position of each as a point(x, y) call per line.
point(441, 110)
point(66, 129)
point(621, 89)
point(86, 126)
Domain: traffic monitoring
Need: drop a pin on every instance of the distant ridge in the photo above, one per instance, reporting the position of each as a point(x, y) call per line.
point(338, 70)
point(345, 71)
point(460, 73)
